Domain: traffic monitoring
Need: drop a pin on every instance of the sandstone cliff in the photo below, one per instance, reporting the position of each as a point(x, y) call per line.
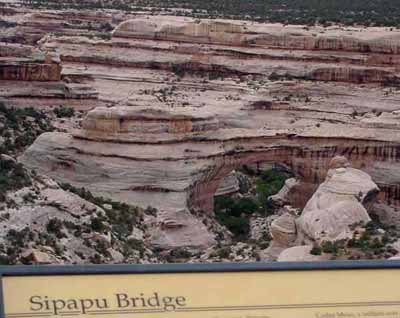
point(28, 64)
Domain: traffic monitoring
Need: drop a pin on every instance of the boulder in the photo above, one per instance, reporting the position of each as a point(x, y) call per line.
point(343, 184)
point(339, 204)
point(283, 230)
point(116, 256)
point(35, 256)
point(271, 253)
point(283, 196)
point(173, 229)
point(300, 254)
point(333, 223)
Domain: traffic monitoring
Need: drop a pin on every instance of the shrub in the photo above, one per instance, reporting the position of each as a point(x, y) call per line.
point(235, 207)
point(316, 250)
point(97, 225)
point(178, 70)
point(12, 177)
point(20, 238)
point(237, 225)
point(55, 227)
point(308, 12)
point(63, 111)
point(133, 245)
point(21, 127)
point(223, 252)
point(234, 213)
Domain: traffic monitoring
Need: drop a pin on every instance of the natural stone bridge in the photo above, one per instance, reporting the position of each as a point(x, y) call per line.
point(176, 160)
point(308, 161)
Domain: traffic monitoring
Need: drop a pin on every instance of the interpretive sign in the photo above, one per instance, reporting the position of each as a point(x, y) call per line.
point(250, 291)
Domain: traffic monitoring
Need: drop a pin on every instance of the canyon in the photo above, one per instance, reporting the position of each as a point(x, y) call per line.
point(170, 107)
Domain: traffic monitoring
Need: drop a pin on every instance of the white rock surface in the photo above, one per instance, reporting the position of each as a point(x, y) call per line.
point(283, 196)
point(342, 184)
point(228, 185)
point(300, 254)
point(177, 229)
point(283, 229)
point(333, 223)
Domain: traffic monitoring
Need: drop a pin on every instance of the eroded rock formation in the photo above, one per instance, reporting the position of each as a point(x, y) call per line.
point(181, 103)
point(333, 214)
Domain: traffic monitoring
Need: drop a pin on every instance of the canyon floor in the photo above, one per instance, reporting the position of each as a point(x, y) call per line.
point(136, 138)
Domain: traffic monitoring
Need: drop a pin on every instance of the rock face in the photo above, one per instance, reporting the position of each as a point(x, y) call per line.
point(188, 30)
point(33, 65)
point(146, 121)
point(208, 122)
point(251, 34)
point(41, 75)
point(26, 70)
point(384, 120)
point(229, 185)
point(30, 26)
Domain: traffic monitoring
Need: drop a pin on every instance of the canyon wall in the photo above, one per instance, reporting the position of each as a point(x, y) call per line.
point(237, 33)
point(174, 105)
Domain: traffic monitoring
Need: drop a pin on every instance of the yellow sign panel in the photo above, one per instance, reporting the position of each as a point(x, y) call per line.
point(274, 294)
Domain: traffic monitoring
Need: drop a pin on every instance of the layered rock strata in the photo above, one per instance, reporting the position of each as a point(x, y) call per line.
point(184, 102)
point(41, 74)
point(146, 121)
point(27, 64)
point(347, 55)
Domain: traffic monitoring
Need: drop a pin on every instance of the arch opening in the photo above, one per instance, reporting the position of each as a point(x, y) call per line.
point(251, 192)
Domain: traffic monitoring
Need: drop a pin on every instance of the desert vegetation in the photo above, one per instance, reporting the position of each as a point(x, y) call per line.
point(362, 12)
point(235, 211)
